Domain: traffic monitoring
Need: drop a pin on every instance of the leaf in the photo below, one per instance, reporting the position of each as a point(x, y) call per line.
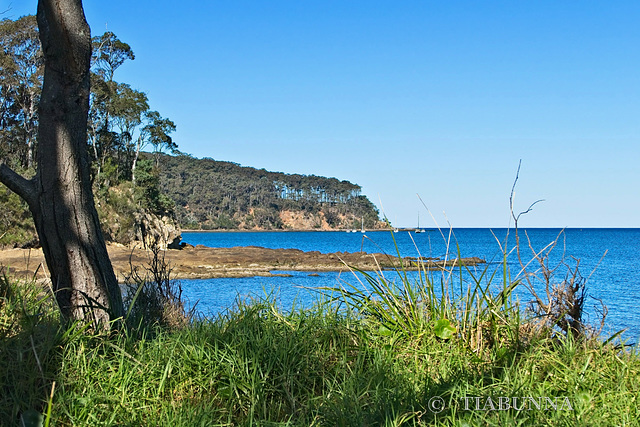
point(384, 331)
point(443, 329)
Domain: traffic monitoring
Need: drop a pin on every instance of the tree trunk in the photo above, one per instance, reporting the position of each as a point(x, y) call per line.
point(139, 144)
point(60, 196)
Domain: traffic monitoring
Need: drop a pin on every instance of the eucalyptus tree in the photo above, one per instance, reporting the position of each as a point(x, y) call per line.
point(129, 110)
point(59, 195)
point(21, 73)
point(156, 131)
point(109, 53)
point(121, 124)
point(108, 96)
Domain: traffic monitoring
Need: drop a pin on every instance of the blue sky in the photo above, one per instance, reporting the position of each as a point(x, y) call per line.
point(440, 99)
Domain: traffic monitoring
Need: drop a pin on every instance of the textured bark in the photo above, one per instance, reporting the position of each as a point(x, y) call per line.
point(60, 196)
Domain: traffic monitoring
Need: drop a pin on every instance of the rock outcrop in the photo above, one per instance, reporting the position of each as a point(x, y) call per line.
point(150, 229)
point(124, 221)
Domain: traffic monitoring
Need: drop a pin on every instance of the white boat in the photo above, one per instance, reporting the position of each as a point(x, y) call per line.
point(418, 229)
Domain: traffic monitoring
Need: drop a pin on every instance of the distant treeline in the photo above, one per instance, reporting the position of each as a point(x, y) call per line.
point(213, 194)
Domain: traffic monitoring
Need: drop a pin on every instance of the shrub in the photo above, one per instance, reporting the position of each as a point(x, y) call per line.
point(152, 297)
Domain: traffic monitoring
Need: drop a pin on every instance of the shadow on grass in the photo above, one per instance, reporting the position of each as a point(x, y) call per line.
point(30, 356)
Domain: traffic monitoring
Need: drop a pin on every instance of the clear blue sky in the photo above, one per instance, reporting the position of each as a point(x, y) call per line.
point(436, 98)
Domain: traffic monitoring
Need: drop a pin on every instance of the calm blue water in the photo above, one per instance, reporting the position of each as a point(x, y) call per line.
point(608, 259)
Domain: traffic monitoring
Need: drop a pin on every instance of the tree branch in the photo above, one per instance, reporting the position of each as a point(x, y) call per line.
point(21, 186)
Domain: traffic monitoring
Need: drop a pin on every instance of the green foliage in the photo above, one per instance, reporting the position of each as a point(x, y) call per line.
point(117, 210)
point(443, 329)
point(122, 207)
point(218, 194)
point(120, 125)
point(225, 222)
point(29, 348)
point(110, 174)
point(16, 224)
point(148, 192)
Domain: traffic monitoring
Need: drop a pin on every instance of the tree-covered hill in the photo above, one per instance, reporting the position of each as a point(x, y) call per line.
point(211, 194)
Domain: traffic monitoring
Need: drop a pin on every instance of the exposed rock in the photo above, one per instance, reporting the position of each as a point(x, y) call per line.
point(124, 221)
point(203, 262)
point(150, 228)
point(302, 220)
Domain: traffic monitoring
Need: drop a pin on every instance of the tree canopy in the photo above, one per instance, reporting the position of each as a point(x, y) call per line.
point(224, 195)
point(121, 121)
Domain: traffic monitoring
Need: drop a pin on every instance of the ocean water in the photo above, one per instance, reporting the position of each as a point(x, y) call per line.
point(606, 258)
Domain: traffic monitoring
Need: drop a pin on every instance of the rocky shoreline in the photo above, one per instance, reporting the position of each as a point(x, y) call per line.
point(202, 262)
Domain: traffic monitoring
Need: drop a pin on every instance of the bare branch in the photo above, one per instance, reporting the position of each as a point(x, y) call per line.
point(513, 190)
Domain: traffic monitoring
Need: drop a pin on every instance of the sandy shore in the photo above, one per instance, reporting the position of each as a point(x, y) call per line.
point(202, 263)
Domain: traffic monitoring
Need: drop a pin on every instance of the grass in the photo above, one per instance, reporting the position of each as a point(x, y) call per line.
point(394, 352)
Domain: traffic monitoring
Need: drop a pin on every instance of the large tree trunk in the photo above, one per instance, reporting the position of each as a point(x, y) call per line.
point(60, 196)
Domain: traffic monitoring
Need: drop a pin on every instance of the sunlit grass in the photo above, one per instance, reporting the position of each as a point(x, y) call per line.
point(387, 349)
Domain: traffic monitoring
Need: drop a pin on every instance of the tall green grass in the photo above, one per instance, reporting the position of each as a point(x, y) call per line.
point(449, 302)
point(388, 350)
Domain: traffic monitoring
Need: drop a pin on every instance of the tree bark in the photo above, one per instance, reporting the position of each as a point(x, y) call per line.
point(60, 196)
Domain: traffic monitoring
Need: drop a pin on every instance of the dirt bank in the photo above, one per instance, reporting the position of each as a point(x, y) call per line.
point(201, 262)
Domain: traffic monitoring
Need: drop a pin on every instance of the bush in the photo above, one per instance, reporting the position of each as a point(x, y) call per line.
point(147, 189)
point(225, 222)
point(16, 225)
point(152, 298)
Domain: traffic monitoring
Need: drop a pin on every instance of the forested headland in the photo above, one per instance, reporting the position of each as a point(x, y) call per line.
point(144, 188)
point(212, 194)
